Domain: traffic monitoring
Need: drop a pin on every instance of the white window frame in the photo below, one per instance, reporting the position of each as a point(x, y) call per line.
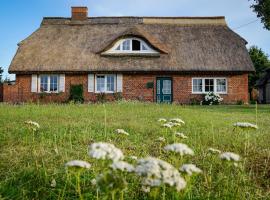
point(48, 83)
point(130, 51)
point(215, 85)
point(105, 91)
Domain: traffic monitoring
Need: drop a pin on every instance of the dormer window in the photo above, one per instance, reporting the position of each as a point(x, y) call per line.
point(131, 45)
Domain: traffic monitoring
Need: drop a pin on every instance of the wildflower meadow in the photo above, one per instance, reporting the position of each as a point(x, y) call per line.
point(132, 150)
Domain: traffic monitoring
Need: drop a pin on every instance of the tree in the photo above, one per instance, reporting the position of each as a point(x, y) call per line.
point(1, 74)
point(261, 62)
point(262, 9)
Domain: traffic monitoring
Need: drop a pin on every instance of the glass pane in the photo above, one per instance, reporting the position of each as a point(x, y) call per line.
point(197, 85)
point(101, 83)
point(144, 47)
point(126, 45)
point(136, 45)
point(44, 83)
point(221, 85)
point(209, 85)
point(110, 83)
point(166, 87)
point(53, 83)
point(158, 86)
point(118, 48)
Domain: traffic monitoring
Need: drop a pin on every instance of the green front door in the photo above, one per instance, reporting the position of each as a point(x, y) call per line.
point(164, 90)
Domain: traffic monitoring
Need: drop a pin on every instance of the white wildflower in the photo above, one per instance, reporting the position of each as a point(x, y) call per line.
point(33, 125)
point(122, 166)
point(175, 124)
point(168, 125)
point(134, 157)
point(104, 151)
point(146, 189)
point(212, 150)
point(94, 181)
point(245, 125)
point(162, 120)
point(53, 183)
point(78, 164)
point(181, 135)
point(229, 156)
point(180, 148)
point(190, 168)
point(177, 120)
point(156, 172)
point(121, 132)
point(161, 139)
point(235, 164)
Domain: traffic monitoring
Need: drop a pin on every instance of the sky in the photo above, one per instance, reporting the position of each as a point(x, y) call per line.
point(19, 18)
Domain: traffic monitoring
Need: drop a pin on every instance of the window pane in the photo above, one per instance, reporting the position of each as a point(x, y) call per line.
point(44, 83)
point(158, 86)
point(110, 83)
point(144, 47)
point(118, 48)
point(101, 83)
point(136, 45)
point(126, 45)
point(53, 83)
point(209, 85)
point(221, 85)
point(167, 87)
point(197, 85)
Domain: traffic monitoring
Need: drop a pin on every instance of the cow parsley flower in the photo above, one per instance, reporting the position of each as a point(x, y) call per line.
point(162, 120)
point(212, 150)
point(181, 135)
point(104, 151)
point(94, 182)
point(156, 172)
point(190, 168)
point(229, 156)
point(53, 183)
point(180, 148)
point(134, 157)
point(122, 132)
point(78, 164)
point(177, 120)
point(122, 166)
point(33, 125)
point(168, 125)
point(245, 125)
point(161, 139)
point(146, 189)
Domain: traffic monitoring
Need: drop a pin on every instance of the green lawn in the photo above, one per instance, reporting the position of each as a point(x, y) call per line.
point(29, 162)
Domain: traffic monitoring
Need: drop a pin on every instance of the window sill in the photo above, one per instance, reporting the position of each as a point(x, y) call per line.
point(221, 93)
point(137, 54)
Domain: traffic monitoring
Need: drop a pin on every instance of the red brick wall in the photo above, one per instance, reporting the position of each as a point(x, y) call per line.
point(134, 88)
point(1, 92)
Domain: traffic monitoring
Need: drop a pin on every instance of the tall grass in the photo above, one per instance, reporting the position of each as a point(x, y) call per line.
point(30, 161)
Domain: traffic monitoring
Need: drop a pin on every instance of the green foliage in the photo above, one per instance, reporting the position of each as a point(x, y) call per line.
point(101, 97)
point(262, 9)
point(240, 102)
point(76, 93)
point(150, 85)
point(261, 63)
point(118, 96)
point(212, 99)
point(1, 74)
point(29, 162)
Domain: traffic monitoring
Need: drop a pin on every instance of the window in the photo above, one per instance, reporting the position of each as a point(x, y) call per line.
point(105, 83)
point(49, 83)
point(131, 45)
point(205, 85)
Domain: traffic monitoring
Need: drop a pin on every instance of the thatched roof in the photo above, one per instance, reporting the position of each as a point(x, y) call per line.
point(185, 44)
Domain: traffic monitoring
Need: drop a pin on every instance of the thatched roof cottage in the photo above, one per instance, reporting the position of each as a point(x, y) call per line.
point(158, 59)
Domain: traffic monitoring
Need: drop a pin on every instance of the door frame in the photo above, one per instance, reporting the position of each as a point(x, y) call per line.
point(164, 78)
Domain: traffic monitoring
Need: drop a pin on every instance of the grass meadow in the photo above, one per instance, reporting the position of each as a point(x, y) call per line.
point(32, 164)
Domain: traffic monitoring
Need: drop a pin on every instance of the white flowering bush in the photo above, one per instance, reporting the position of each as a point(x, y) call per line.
point(212, 99)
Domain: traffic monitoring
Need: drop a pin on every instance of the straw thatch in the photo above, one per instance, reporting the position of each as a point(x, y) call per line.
point(185, 45)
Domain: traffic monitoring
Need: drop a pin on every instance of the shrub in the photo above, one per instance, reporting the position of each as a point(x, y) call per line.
point(118, 96)
point(240, 102)
point(101, 97)
point(212, 99)
point(195, 101)
point(76, 93)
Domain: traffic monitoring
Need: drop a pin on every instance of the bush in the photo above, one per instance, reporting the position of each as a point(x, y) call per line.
point(118, 96)
point(101, 97)
point(212, 99)
point(240, 102)
point(76, 93)
point(195, 101)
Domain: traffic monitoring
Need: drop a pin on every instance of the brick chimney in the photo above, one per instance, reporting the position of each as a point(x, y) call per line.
point(79, 13)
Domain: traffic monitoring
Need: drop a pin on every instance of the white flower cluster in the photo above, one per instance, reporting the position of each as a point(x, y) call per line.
point(104, 151)
point(122, 166)
point(245, 125)
point(180, 148)
point(121, 132)
point(78, 164)
point(156, 172)
point(172, 122)
point(212, 98)
point(161, 139)
point(190, 169)
point(34, 125)
point(177, 120)
point(212, 150)
point(229, 156)
point(181, 135)
point(162, 120)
